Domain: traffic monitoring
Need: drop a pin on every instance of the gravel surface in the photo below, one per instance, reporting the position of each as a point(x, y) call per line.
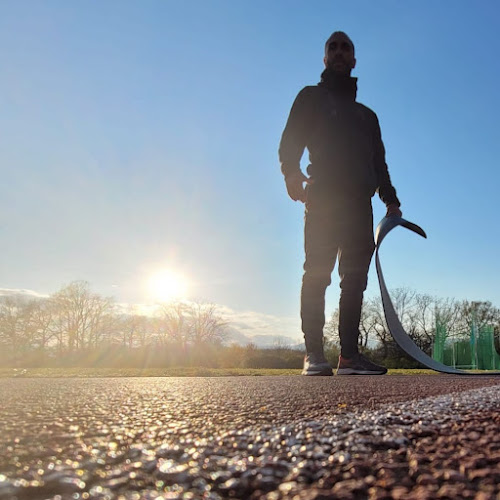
point(408, 437)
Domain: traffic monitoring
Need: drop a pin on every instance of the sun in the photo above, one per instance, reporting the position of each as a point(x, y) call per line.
point(167, 285)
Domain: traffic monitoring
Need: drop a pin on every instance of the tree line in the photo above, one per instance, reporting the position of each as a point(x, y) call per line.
point(76, 327)
point(75, 321)
point(419, 314)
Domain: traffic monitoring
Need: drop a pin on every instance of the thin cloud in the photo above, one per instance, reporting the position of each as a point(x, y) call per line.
point(264, 329)
point(16, 292)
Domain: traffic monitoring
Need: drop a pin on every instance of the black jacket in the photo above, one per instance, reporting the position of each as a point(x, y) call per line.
point(346, 152)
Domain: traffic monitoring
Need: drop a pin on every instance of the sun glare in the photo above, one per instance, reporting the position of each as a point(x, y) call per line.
point(167, 285)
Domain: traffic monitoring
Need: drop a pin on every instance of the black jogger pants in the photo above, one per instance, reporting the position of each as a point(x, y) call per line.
point(342, 229)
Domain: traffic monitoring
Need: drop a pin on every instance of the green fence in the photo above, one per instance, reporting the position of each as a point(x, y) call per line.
point(477, 352)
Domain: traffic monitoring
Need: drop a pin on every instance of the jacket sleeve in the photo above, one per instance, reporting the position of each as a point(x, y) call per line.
point(385, 188)
point(294, 137)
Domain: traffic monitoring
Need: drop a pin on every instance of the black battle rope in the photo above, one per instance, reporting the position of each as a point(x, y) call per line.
point(395, 327)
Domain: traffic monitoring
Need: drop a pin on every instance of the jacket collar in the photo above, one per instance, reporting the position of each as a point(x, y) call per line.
point(343, 86)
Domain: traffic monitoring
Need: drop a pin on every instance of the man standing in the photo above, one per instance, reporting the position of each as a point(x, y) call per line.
point(347, 166)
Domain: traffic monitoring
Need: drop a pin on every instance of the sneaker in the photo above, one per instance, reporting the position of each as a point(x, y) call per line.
point(359, 365)
point(315, 364)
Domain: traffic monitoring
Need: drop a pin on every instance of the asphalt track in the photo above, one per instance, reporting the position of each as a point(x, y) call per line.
point(250, 437)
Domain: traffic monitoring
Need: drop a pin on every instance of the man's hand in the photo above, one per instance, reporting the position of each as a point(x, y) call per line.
point(295, 188)
point(393, 209)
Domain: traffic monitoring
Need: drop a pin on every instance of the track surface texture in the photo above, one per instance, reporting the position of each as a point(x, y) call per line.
point(392, 437)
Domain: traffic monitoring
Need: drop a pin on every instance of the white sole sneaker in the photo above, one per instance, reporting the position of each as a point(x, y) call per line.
point(327, 371)
point(352, 371)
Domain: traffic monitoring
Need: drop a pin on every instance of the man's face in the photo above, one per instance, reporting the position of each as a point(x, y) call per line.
point(340, 55)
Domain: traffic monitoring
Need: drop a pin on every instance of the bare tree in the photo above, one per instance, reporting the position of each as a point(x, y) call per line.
point(83, 318)
point(375, 310)
point(206, 324)
point(422, 318)
point(448, 312)
point(403, 300)
point(25, 324)
point(481, 313)
point(171, 323)
point(189, 322)
point(12, 327)
point(367, 326)
point(40, 323)
point(417, 312)
point(133, 330)
point(331, 330)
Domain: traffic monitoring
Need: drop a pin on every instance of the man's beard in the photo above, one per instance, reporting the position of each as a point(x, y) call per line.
point(339, 66)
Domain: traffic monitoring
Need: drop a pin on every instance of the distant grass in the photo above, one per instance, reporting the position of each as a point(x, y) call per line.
point(138, 372)
point(165, 372)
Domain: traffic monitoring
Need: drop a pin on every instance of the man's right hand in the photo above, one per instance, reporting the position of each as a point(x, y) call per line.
point(393, 209)
point(295, 186)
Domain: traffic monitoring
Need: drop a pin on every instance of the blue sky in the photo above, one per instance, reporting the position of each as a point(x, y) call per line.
point(137, 136)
